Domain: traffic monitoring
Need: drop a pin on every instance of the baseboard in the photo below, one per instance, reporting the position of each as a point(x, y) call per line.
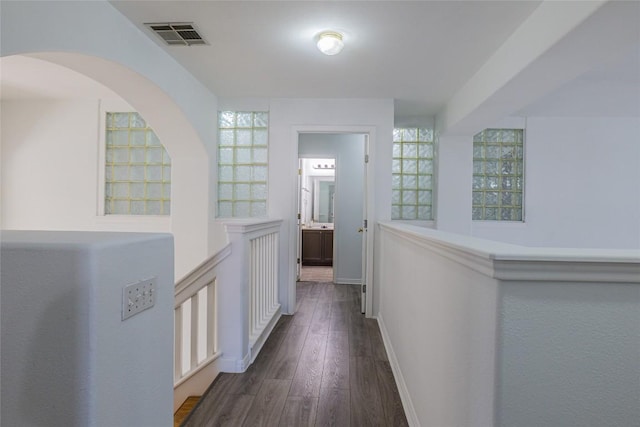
point(407, 403)
point(256, 346)
point(340, 281)
point(244, 363)
point(233, 365)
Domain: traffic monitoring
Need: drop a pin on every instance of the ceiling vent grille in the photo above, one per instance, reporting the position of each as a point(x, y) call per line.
point(177, 33)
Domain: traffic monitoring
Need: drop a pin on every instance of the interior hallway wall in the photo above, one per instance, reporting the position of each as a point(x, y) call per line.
point(582, 185)
point(287, 117)
point(50, 169)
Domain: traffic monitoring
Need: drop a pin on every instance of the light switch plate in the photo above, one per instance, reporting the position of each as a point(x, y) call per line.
point(138, 296)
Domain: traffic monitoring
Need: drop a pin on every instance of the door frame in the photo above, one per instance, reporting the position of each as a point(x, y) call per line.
point(370, 138)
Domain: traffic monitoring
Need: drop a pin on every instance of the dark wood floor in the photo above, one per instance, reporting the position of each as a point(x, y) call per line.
point(324, 366)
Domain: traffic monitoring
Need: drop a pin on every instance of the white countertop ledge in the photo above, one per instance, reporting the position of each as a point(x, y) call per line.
point(74, 239)
point(514, 262)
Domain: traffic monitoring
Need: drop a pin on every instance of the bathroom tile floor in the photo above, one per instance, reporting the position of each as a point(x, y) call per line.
point(316, 274)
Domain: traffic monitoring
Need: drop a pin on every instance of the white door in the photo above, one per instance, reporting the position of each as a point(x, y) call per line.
point(299, 218)
point(363, 286)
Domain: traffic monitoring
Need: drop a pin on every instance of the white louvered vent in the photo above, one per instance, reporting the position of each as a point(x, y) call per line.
point(177, 33)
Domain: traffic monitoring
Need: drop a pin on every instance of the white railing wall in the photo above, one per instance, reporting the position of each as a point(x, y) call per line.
point(195, 329)
point(226, 307)
point(482, 333)
point(263, 283)
point(249, 304)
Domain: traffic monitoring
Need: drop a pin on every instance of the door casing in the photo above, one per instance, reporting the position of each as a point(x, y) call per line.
point(369, 132)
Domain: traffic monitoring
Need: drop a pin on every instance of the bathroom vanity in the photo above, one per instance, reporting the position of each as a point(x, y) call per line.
point(317, 246)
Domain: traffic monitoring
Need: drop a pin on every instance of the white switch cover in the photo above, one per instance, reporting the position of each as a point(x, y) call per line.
point(138, 297)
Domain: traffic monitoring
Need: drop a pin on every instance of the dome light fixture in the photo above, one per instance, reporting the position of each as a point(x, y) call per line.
point(330, 42)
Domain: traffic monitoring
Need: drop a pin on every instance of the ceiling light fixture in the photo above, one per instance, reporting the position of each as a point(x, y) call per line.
point(330, 42)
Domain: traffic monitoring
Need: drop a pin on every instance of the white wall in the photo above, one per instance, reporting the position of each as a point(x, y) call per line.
point(46, 26)
point(438, 319)
point(179, 108)
point(582, 189)
point(569, 354)
point(50, 168)
point(348, 150)
point(68, 358)
point(288, 118)
point(453, 178)
point(483, 333)
point(49, 163)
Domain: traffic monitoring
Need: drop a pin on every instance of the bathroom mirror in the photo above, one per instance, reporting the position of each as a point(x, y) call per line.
point(323, 199)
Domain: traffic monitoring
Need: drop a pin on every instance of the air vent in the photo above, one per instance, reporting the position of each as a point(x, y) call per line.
point(177, 33)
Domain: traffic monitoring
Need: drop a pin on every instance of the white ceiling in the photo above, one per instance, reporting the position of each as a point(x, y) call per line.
point(417, 52)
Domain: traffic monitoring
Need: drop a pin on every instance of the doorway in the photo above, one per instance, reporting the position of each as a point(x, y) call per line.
point(341, 203)
point(316, 199)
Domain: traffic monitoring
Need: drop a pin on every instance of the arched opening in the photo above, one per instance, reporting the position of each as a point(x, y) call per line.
point(50, 150)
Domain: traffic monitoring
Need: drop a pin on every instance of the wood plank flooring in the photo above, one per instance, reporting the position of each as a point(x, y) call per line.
point(184, 410)
point(324, 366)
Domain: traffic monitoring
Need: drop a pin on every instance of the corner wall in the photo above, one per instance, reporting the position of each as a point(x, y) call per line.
point(68, 358)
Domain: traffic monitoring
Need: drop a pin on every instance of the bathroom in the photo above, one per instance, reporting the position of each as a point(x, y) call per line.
point(317, 214)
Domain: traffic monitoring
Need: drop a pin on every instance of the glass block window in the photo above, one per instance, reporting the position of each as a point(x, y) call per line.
point(242, 164)
point(138, 168)
point(413, 157)
point(498, 174)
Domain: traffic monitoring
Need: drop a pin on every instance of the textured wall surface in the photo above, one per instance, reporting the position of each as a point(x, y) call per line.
point(569, 355)
point(482, 333)
point(67, 357)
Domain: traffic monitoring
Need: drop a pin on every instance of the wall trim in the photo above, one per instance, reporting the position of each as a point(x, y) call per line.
point(371, 148)
point(233, 365)
point(204, 268)
point(521, 263)
point(405, 397)
point(256, 346)
point(243, 364)
point(245, 226)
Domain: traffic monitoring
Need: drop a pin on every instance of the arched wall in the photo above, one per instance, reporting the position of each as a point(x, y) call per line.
point(96, 40)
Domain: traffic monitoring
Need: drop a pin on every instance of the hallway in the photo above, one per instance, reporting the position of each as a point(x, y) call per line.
point(324, 366)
